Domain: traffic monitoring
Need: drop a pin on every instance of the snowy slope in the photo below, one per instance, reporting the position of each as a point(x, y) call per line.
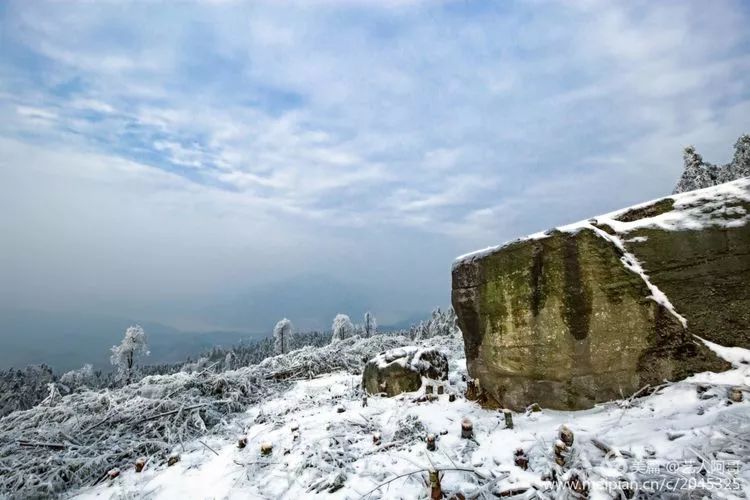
point(669, 429)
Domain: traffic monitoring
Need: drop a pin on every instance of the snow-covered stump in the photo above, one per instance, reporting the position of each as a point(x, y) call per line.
point(431, 442)
point(140, 464)
point(521, 459)
point(266, 448)
point(451, 398)
point(173, 459)
point(376, 439)
point(566, 435)
point(113, 474)
point(467, 429)
point(735, 395)
point(242, 443)
point(562, 447)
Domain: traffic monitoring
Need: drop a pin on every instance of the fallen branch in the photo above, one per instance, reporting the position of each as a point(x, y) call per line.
point(31, 444)
point(609, 449)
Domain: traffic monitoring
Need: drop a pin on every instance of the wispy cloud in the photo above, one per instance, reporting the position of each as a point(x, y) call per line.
point(351, 127)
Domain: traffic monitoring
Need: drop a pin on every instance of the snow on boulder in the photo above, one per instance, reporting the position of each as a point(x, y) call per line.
point(596, 310)
point(401, 370)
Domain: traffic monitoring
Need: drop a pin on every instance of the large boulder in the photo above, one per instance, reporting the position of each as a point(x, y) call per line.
point(401, 370)
point(599, 309)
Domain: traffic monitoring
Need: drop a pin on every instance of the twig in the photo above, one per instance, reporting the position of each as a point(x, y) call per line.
point(204, 444)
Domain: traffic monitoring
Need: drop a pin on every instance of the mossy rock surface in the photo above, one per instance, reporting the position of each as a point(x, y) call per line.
point(561, 321)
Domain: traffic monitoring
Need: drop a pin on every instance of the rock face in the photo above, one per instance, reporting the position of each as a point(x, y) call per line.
point(401, 370)
point(601, 308)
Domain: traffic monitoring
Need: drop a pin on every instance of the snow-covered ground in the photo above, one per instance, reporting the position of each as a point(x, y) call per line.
point(658, 438)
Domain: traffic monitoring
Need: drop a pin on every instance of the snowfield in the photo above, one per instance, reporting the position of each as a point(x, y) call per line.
point(327, 444)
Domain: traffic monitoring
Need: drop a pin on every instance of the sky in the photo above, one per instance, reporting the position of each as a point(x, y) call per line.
point(219, 164)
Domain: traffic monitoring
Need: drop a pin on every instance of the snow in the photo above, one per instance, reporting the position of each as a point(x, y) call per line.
point(406, 357)
point(631, 262)
point(685, 215)
point(334, 448)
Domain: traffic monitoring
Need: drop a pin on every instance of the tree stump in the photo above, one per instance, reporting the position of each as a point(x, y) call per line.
point(431, 446)
point(173, 459)
point(735, 395)
point(566, 435)
point(241, 442)
point(429, 389)
point(508, 419)
point(266, 448)
point(560, 451)
point(521, 459)
point(436, 492)
point(113, 473)
point(467, 429)
point(140, 464)
point(441, 389)
point(376, 439)
point(451, 398)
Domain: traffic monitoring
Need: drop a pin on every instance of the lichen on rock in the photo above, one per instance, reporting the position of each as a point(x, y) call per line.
point(601, 308)
point(402, 370)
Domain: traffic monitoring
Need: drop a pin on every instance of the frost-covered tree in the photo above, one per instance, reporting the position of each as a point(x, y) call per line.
point(83, 376)
point(342, 327)
point(125, 355)
point(699, 174)
point(370, 325)
point(741, 158)
point(282, 336)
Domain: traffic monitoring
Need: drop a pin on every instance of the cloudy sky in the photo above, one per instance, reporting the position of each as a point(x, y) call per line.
point(209, 164)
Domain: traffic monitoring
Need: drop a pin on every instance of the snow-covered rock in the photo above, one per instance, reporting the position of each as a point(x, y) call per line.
point(597, 309)
point(401, 370)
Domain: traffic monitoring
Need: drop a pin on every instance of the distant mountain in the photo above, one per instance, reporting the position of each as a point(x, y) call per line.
point(310, 301)
point(66, 340)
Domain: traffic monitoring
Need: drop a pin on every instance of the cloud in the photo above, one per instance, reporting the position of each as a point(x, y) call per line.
point(348, 137)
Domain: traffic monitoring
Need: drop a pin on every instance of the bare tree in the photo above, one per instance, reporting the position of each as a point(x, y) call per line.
point(370, 325)
point(282, 336)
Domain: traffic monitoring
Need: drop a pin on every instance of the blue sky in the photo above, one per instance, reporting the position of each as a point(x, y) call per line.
point(165, 159)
